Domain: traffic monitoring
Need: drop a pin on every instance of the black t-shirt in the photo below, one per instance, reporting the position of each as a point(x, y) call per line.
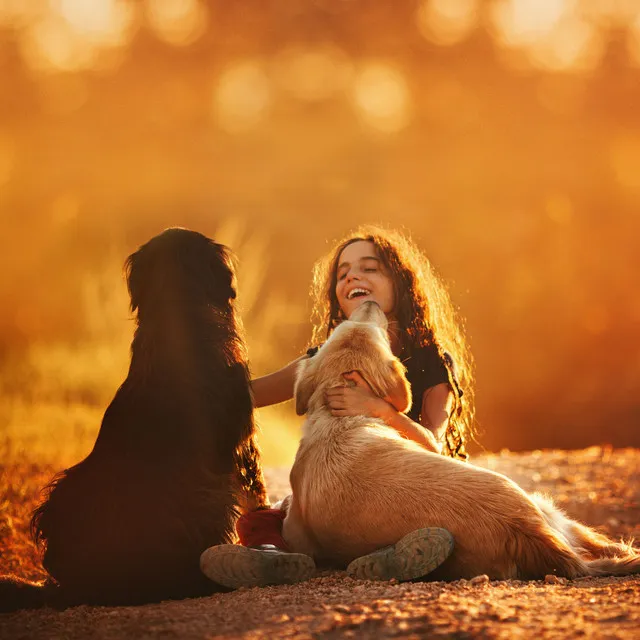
point(425, 369)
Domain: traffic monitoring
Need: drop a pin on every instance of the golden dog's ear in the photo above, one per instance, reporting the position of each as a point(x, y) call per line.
point(398, 388)
point(388, 381)
point(304, 386)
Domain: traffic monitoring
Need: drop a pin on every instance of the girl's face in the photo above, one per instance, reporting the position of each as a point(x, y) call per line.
point(361, 276)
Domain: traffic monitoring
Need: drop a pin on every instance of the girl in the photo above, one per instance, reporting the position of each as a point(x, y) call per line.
point(425, 334)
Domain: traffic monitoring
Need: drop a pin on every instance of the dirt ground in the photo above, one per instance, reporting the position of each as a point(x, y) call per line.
point(599, 486)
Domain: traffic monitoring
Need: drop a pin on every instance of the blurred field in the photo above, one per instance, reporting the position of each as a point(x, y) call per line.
point(53, 395)
point(502, 135)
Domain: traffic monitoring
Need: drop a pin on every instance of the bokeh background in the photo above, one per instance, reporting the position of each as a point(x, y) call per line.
point(502, 135)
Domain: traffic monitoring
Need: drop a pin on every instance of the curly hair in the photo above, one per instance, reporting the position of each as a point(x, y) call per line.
point(423, 310)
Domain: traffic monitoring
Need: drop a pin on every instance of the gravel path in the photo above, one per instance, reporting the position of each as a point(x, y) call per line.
point(599, 486)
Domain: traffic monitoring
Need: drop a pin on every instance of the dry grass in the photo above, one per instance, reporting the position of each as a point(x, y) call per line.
point(53, 395)
point(20, 484)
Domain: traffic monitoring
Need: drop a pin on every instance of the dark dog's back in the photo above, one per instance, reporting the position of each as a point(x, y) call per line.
point(128, 524)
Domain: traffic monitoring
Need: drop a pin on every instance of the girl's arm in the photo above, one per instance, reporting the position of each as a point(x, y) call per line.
point(411, 430)
point(437, 402)
point(275, 387)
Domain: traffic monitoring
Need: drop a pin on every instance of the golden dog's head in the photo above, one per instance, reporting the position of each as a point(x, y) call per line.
point(360, 343)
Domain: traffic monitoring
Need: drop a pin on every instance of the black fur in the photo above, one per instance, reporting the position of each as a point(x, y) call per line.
point(175, 461)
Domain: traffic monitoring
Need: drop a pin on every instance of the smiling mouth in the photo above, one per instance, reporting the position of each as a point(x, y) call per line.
point(357, 293)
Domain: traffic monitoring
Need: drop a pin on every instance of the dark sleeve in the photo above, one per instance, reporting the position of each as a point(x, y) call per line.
point(433, 370)
point(425, 369)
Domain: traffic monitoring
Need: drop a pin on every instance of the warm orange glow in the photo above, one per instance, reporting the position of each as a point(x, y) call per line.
point(625, 160)
point(596, 319)
point(177, 22)
point(381, 97)
point(503, 135)
point(7, 158)
point(103, 21)
point(52, 45)
point(62, 93)
point(447, 22)
point(552, 33)
point(633, 40)
point(523, 22)
point(15, 13)
point(312, 73)
point(242, 96)
point(573, 45)
point(560, 209)
point(562, 95)
point(65, 209)
point(73, 35)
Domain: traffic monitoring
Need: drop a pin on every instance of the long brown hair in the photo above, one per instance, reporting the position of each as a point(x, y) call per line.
point(423, 310)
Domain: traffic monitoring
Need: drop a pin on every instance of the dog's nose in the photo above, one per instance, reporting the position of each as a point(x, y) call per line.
point(369, 311)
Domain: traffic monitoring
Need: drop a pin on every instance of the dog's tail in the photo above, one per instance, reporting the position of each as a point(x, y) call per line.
point(620, 566)
point(601, 555)
point(539, 551)
point(606, 557)
point(16, 594)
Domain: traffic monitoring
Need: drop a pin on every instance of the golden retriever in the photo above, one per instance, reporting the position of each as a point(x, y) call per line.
point(359, 486)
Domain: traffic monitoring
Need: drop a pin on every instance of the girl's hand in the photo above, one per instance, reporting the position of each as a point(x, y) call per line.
point(358, 400)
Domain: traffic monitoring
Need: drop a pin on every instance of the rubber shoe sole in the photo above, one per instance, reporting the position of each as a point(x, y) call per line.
point(414, 556)
point(235, 566)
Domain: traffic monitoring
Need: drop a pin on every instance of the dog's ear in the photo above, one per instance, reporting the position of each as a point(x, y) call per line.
point(398, 387)
point(146, 271)
point(135, 275)
point(387, 379)
point(304, 385)
point(217, 272)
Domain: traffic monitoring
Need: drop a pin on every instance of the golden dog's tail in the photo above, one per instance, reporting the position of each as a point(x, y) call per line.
point(575, 552)
point(620, 566)
point(607, 558)
point(599, 554)
point(541, 551)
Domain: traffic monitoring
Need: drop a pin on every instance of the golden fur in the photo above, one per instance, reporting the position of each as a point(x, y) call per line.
point(359, 486)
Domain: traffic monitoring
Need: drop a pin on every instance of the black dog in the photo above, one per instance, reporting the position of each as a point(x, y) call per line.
point(175, 462)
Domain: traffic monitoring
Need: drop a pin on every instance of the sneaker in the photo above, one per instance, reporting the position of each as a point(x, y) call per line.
point(235, 566)
point(413, 556)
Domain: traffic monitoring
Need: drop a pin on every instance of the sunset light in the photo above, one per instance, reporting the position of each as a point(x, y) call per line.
point(312, 73)
point(447, 22)
point(177, 22)
point(551, 33)
point(382, 97)
point(633, 40)
point(359, 274)
point(102, 21)
point(242, 96)
point(7, 158)
point(72, 35)
point(501, 132)
point(625, 161)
